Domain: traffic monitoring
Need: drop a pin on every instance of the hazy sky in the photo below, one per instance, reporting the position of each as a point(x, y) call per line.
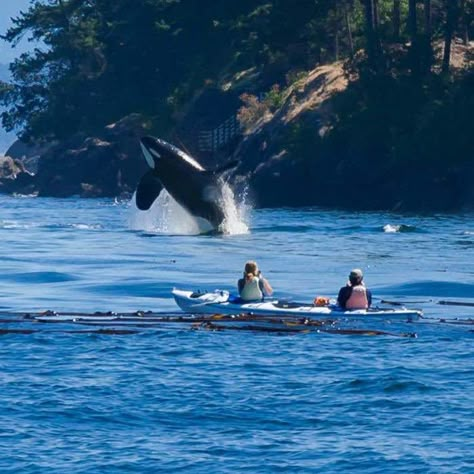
point(8, 9)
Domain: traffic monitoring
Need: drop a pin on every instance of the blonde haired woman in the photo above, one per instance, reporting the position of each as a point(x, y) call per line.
point(253, 286)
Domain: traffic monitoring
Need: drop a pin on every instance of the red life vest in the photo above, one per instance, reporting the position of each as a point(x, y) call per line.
point(358, 298)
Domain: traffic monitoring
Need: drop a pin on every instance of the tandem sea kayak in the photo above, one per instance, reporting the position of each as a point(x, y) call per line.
point(222, 302)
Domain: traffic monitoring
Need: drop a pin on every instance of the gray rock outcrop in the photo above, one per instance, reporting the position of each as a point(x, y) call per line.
point(107, 165)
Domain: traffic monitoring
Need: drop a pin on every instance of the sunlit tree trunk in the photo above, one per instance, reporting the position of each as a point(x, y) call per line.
point(427, 8)
point(412, 20)
point(412, 24)
point(450, 25)
point(464, 23)
point(376, 14)
point(396, 20)
point(427, 53)
point(347, 20)
point(374, 48)
point(336, 27)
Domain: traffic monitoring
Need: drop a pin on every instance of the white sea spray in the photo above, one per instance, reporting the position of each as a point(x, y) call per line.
point(389, 228)
point(235, 212)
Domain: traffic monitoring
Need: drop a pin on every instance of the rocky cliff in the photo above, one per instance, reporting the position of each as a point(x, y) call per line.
point(109, 164)
point(316, 142)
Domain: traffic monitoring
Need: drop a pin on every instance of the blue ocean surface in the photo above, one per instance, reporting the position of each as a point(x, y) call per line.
point(163, 398)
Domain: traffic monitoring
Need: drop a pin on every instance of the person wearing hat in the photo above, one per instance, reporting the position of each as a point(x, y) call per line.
point(355, 295)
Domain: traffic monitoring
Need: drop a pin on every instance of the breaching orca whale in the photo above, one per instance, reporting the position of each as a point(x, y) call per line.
point(198, 190)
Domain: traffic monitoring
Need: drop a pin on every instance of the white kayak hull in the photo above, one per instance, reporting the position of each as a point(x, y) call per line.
point(223, 303)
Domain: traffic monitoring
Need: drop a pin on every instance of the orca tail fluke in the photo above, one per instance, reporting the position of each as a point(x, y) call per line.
point(148, 190)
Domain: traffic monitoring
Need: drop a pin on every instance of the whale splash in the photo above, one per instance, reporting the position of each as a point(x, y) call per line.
point(168, 217)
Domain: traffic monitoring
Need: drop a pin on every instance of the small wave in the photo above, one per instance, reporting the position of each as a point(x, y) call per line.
point(25, 196)
point(406, 386)
point(351, 228)
point(388, 385)
point(464, 243)
point(37, 225)
point(120, 201)
point(13, 224)
point(40, 277)
point(157, 289)
point(86, 226)
point(358, 383)
point(297, 228)
point(391, 228)
point(445, 289)
point(18, 225)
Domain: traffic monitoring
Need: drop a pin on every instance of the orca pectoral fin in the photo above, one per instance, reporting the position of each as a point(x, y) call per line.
point(148, 190)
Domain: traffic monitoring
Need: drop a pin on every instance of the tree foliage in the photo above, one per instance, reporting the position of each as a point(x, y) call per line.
point(102, 59)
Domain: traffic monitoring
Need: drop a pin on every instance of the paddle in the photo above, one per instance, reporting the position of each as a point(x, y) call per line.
point(442, 302)
point(402, 303)
point(455, 303)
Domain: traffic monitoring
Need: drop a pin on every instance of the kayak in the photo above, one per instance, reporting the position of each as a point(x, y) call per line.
point(223, 302)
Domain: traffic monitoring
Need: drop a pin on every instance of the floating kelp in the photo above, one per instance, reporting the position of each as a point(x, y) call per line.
point(110, 322)
point(301, 328)
point(119, 332)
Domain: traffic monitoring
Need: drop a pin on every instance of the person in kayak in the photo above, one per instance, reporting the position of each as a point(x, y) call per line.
point(355, 295)
point(253, 286)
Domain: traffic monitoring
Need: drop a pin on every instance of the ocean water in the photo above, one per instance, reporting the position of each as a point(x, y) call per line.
point(173, 399)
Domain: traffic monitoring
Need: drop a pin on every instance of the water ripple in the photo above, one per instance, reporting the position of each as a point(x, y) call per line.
point(172, 399)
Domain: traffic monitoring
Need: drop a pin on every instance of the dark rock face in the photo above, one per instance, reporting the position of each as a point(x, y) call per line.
point(277, 176)
point(105, 166)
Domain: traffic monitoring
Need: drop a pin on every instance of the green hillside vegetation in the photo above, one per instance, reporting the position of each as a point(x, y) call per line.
point(407, 107)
